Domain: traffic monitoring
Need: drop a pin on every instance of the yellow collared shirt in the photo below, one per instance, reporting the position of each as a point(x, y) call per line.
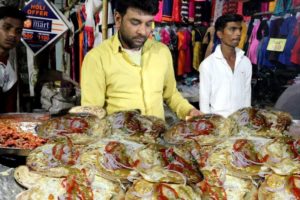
point(110, 79)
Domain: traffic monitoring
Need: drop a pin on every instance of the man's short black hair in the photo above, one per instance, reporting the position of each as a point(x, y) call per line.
point(224, 19)
point(13, 12)
point(148, 6)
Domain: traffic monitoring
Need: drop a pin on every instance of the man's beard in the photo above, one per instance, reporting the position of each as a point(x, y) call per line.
point(130, 41)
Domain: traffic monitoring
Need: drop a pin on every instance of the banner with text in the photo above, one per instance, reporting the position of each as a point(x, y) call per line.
point(43, 26)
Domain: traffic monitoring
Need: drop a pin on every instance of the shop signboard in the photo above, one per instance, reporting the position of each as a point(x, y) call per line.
point(43, 26)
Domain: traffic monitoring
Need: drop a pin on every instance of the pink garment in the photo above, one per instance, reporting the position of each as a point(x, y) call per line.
point(253, 43)
point(240, 8)
point(296, 3)
point(158, 16)
point(165, 36)
point(191, 10)
point(264, 6)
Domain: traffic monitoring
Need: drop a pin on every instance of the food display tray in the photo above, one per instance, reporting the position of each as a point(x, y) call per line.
point(26, 122)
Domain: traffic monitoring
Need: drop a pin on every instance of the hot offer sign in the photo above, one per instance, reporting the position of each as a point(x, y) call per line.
point(43, 26)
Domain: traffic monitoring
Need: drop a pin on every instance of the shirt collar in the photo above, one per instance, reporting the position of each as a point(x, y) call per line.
point(117, 46)
point(218, 53)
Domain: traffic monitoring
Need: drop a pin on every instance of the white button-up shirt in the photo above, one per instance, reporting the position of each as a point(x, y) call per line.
point(223, 91)
point(8, 76)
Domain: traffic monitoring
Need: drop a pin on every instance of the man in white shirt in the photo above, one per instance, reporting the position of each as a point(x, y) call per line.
point(225, 75)
point(11, 25)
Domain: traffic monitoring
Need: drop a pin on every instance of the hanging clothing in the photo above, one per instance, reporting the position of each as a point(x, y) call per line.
point(196, 43)
point(173, 47)
point(287, 31)
point(156, 34)
point(253, 43)
point(188, 51)
point(275, 33)
point(296, 3)
point(176, 17)
point(264, 37)
point(243, 36)
point(75, 49)
point(251, 7)
point(110, 25)
point(184, 52)
point(185, 11)
point(218, 9)
point(181, 53)
point(158, 16)
point(264, 6)
point(282, 6)
point(191, 10)
point(240, 8)
point(165, 36)
point(272, 5)
point(202, 12)
point(295, 56)
point(81, 41)
point(230, 7)
point(167, 10)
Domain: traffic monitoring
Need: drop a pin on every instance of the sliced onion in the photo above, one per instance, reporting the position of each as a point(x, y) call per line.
point(256, 127)
point(278, 189)
point(61, 197)
point(133, 178)
point(262, 174)
point(274, 160)
point(145, 165)
point(207, 164)
point(244, 118)
point(118, 121)
point(58, 130)
point(66, 149)
point(181, 174)
point(65, 158)
point(112, 163)
point(47, 151)
point(223, 173)
point(177, 163)
point(91, 169)
point(241, 161)
point(146, 195)
point(52, 164)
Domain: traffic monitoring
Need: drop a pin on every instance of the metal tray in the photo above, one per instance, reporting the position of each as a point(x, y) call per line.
point(14, 151)
point(26, 117)
point(26, 122)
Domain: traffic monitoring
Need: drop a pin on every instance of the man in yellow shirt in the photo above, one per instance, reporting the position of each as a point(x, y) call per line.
point(130, 71)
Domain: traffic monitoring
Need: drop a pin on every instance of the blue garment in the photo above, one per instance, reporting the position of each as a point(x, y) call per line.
point(275, 33)
point(286, 31)
point(167, 8)
point(263, 55)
